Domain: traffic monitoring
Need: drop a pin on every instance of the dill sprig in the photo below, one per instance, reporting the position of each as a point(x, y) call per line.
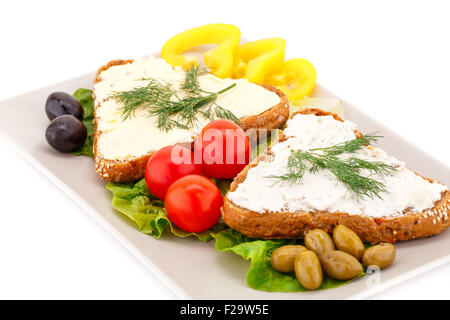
point(345, 170)
point(349, 146)
point(154, 93)
point(190, 84)
point(171, 110)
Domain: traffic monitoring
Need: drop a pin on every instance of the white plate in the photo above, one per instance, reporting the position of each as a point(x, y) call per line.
point(191, 268)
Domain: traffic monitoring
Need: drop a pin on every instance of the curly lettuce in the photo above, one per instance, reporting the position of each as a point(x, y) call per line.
point(135, 201)
point(84, 96)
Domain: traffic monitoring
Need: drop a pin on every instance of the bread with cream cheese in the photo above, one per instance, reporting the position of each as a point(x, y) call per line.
point(293, 224)
point(133, 167)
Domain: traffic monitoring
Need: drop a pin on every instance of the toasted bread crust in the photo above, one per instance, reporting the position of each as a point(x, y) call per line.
point(292, 225)
point(130, 170)
point(272, 118)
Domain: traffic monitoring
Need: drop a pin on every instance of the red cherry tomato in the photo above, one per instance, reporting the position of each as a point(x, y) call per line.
point(224, 148)
point(193, 203)
point(168, 165)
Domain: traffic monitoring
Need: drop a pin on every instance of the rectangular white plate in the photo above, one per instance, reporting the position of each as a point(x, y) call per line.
point(205, 273)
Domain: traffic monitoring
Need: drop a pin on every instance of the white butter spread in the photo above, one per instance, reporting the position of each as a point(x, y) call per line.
point(138, 135)
point(322, 190)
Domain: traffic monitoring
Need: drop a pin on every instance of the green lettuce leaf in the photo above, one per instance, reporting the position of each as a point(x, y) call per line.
point(222, 184)
point(135, 201)
point(262, 144)
point(261, 275)
point(84, 96)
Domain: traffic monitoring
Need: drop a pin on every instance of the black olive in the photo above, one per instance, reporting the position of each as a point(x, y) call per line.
point(60, 103)
point(66, 133)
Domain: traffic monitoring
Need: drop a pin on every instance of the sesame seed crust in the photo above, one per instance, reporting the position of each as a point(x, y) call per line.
point(292, 225)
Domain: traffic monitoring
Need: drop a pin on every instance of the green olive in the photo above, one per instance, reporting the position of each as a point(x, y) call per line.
point(340, 265)
point(283, 258)
point(308, 270)
point(381, 255)
point(348, 241)
point(318, 241)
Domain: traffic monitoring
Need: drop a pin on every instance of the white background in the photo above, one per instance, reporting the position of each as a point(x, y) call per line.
point(390, 58)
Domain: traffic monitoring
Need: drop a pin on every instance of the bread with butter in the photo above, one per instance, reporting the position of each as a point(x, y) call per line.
point(252, 209)
point(130, 167)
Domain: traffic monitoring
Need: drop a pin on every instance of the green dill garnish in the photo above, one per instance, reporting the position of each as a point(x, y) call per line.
point(346, 170)
point(190, 84)
point(349, 146)
point(171, 110)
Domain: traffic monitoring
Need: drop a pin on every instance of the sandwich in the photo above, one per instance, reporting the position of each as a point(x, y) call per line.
point(123, 142)
point(323, 172)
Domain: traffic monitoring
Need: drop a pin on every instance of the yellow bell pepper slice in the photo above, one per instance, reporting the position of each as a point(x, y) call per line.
point(219, 60)
point(296, 78)
point(256, 59)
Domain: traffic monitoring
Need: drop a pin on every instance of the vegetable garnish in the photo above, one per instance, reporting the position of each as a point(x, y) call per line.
point(84, 96)
point(346, 170)
point(163, 169)
point(193, 203)
point(261, 275)
point(226, 152)
point(220, 60)
point(256, 59)
point(295, 77)
point(136, 202)
point(162, 101)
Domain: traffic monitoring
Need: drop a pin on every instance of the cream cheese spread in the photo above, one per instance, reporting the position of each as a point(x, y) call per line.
point(138, 134)
point(322, 190)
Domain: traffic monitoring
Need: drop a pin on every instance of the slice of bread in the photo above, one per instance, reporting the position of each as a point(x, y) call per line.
point(293, 224)
point(133, 168)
